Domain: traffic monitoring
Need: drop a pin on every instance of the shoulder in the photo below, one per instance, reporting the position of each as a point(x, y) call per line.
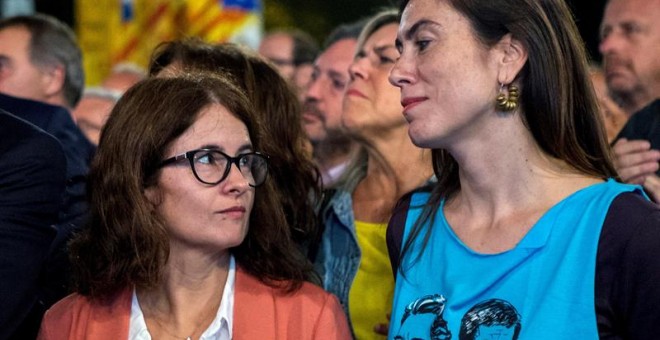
point(308, 296)
point(76, 316)
point(631, 217)
point(628, 268)
point(58, 320)
point(397, 222)
point(307, 313)
point(29, 158)
point(20, 134)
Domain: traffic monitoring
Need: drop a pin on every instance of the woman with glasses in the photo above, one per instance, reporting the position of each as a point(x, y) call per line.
point(294, 175)
point(186, 238)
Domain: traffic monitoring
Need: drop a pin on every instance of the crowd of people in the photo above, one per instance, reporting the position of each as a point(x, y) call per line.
point(445, 169)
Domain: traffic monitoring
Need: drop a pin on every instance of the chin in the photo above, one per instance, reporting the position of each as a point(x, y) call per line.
point(420, 139)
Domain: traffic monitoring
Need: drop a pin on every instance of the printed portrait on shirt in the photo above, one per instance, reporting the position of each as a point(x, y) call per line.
point(493, 319)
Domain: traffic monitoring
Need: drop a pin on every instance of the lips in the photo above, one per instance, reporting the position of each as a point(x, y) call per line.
point(354, 92)
point(410, 102)
point(311, 113)
point(233, 212)
point(614, 65)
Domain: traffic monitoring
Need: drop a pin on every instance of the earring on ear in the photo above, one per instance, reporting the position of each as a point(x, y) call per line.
point(505, 104)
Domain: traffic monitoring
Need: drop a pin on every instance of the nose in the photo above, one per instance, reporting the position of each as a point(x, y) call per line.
point(358, 68)
point(403, 72)
point(313, 92)
point(610, 43)
point(235, 182)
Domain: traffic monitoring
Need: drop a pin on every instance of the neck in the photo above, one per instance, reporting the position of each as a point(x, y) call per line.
point(333, 152)
point(187, 300)
point(503, 170)
point(395, 167)
point(633, 101)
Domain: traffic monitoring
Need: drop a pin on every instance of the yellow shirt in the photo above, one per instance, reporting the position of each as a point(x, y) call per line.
point(370, 297)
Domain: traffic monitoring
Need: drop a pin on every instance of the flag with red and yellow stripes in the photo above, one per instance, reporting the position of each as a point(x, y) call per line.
point(115, 31)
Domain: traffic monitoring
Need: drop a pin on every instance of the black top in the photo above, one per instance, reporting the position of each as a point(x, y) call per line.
point(627, 287)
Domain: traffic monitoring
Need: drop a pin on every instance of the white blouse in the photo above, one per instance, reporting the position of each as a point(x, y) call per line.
point(220, 328)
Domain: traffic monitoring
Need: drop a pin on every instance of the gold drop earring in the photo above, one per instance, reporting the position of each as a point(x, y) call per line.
point(505, 104)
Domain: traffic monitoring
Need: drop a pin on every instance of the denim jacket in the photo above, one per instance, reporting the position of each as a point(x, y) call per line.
point(338, 257)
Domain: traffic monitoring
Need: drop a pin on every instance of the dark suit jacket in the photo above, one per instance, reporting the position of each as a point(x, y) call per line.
point(32, 179)
point(57, 121)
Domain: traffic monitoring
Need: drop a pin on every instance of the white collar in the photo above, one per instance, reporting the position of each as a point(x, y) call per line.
point(220, 328)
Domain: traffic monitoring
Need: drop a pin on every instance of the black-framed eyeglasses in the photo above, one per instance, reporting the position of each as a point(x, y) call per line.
point(212, 166)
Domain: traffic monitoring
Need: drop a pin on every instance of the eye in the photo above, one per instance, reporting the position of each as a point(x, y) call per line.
point(630, 28)
point(385, 59)
point(422, 44)
point(605, 32)
point(315, 75)
point(208, 158)
point(246, 161)
point(338, 84)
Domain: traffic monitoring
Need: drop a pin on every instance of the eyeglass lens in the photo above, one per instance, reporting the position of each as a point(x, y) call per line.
point(213, 166)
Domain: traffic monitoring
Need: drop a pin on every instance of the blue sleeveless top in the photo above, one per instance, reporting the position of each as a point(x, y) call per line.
point(543, 288)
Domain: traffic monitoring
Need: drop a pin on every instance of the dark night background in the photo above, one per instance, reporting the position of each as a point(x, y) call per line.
point(318, 17)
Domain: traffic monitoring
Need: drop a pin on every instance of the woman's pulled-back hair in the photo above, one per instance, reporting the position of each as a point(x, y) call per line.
point(557, 102)
point(126, 243)
point(295, 175)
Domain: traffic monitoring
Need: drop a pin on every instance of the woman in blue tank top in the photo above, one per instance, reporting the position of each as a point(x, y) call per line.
point(527, 234)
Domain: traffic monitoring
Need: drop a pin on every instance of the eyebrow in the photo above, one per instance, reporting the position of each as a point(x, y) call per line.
point(417, 26)
point(243, 148)
point(336, 74)
point(383, 48)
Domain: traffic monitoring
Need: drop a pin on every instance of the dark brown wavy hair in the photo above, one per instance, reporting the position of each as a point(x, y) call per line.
point(126, 243)
point(295, 175)
point(558, 104)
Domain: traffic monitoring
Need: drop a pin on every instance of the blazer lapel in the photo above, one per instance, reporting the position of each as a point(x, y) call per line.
point(254, 308)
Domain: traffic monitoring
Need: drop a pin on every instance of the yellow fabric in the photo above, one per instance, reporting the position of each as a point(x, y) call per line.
point(112, 31)
point(370, 297)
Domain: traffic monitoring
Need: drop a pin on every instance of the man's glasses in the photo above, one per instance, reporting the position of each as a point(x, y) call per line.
point(212, 166)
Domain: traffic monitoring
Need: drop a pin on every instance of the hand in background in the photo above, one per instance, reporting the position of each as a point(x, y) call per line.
point(652, 186)
point(634, 160)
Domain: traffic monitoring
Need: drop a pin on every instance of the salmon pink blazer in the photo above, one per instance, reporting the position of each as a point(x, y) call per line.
point(260, 312)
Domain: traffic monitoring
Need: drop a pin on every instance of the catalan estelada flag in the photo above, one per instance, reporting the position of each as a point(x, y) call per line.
point(115, 31)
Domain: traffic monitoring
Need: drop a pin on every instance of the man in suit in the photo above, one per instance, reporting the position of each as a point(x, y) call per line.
point(41, 80)
point(32, 178)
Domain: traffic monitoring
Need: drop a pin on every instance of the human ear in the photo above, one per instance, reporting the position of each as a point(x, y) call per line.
point(53, 80)
point(513, 56)
point(152, 194)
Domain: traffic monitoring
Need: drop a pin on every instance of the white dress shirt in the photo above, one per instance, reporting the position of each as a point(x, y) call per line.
point(220, 328)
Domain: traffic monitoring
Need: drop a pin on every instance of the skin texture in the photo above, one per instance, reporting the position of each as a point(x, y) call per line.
point(90, 114)
point(203, 222)
point(439, 66)
point(19, 77)
point(372, 112)
point(323, 100)
point(613, 116)
point(630, 44)
point(449, 81)
point(371, 103)
point(194, 210)
point(278, 48)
